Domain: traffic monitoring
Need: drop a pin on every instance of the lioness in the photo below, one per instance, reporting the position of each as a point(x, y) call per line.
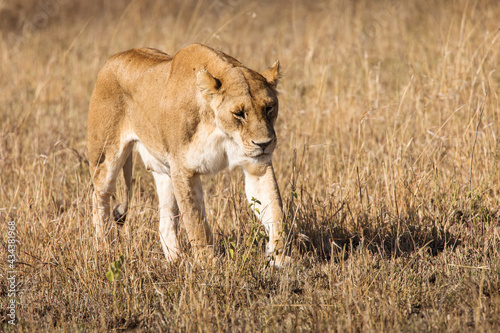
point(192, 114)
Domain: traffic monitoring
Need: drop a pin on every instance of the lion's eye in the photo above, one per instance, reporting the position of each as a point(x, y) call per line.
point(240, 114)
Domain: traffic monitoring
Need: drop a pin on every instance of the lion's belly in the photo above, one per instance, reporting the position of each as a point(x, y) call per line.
point(150, 162)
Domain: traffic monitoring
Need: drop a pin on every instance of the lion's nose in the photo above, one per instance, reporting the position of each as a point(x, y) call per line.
point(262, 145)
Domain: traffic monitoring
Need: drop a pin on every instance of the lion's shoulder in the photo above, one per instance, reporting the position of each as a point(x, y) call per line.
point(200, 52)
point(196, 57)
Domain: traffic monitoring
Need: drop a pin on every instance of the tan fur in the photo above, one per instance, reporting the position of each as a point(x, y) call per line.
point(192, 114)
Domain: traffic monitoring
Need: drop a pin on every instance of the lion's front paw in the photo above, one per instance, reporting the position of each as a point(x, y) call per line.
point(281, 261)
point(203, 254)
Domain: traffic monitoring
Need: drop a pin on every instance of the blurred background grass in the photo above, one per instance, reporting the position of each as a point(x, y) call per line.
point(387, 163)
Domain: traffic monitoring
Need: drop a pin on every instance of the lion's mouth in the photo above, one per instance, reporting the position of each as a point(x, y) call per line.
point(259, 154)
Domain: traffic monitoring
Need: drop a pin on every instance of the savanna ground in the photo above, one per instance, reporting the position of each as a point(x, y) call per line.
point(387, 163)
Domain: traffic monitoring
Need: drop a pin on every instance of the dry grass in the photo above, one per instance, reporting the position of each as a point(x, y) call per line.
point(387, 164)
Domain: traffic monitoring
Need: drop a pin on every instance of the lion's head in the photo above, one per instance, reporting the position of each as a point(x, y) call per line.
point(245, 105)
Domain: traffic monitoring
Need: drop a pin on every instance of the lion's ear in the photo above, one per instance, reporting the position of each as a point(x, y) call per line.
point(272, 74)
point(207, 84)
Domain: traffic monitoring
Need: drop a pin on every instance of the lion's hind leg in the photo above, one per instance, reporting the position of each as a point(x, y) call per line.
point(104, 187)
point(104, 175)
point(120, 211)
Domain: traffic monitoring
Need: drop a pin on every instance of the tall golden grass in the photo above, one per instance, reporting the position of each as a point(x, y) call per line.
point(387, 163)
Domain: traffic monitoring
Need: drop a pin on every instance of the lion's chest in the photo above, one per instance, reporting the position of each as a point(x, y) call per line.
point(209, 153)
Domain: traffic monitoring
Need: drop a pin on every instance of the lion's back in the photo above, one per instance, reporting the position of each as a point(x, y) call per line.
point(128, 69)
point(140, 57)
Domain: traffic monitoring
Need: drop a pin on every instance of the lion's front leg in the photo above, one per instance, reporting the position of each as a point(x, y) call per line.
point(260, 183)
point(189, 195)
